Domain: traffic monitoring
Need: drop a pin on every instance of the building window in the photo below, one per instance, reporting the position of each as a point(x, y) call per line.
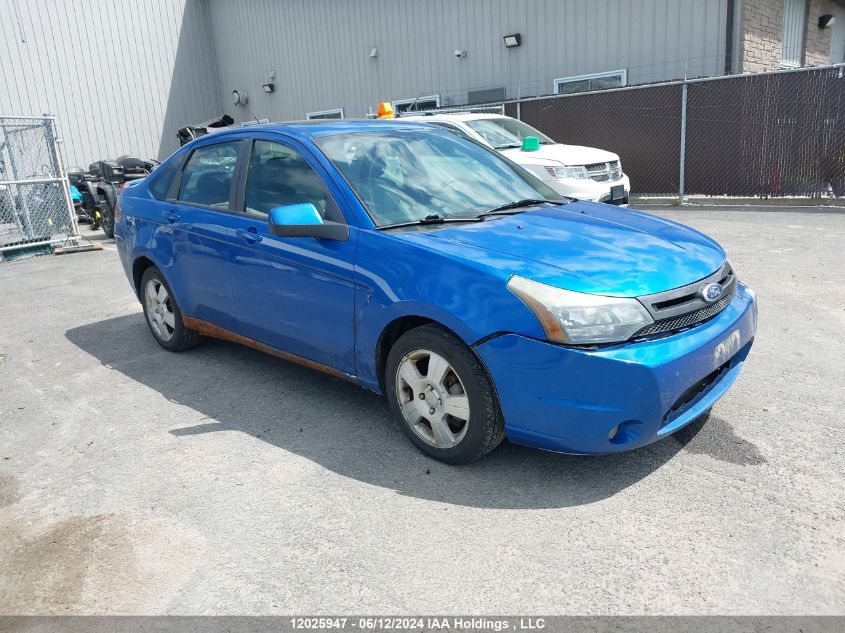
point(595, 81)
point(793, 32)
point(431, 102)
point(487, 95)
point(337, 113)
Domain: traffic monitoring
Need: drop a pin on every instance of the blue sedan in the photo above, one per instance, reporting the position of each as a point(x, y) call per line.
point(426, 267)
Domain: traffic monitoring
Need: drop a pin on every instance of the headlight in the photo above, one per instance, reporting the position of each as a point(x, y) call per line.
point(577, 318)
point(578, 171)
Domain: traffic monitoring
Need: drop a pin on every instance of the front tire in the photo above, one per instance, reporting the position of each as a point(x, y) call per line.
point(441, 396)
point(163, 315)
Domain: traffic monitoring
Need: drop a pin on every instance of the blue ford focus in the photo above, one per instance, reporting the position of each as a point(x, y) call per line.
point(430, 269)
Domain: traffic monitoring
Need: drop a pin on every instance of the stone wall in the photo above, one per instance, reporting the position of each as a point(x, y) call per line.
point(761, 35)
point(816, 40)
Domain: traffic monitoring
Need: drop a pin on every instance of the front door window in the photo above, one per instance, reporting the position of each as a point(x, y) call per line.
point(279, 176)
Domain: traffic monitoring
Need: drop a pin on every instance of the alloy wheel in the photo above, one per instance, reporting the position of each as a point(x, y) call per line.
point(432, 398)
point(159, 308)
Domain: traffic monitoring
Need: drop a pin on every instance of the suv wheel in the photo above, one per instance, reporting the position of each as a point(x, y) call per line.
point(441, 396)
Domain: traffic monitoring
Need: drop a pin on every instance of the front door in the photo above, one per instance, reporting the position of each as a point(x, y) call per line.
point(292, 293)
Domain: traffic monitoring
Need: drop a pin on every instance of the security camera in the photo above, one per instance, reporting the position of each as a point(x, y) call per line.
point(460, 53)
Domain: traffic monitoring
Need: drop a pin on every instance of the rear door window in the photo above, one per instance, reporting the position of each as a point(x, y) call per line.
point(208, 174)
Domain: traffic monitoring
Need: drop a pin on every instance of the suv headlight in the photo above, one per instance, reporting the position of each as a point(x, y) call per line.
point(578, 171)
point(578, 318)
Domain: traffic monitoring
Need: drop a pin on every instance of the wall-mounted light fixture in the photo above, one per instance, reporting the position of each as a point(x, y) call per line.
point(460, 53)
point(374, 52)
point(268, 88)
point(512, 41)
point(826, 21)
point(239, 97)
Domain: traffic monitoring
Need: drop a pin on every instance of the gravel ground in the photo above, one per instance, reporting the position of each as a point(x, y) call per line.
point(224, 481)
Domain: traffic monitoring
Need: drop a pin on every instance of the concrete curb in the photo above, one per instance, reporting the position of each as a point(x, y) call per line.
point(694, 201)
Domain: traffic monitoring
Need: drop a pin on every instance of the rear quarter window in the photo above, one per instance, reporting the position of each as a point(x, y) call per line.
point(162, 178)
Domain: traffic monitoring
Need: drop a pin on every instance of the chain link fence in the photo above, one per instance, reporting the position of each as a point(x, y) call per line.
point(487, 108)
point(777, 134)
point(35, 204)
point(641, 125)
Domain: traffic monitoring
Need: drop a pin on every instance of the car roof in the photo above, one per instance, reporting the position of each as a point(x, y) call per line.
point(453, 116)
point(325, 127)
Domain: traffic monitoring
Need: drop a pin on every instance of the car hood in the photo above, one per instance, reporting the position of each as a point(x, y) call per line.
point(583, 247)
point(559, 153)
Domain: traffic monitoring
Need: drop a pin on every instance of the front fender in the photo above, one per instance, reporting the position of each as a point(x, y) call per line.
point(374, 319)
point(465, 296)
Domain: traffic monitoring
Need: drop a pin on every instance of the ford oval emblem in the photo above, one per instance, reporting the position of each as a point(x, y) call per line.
point(711, 292)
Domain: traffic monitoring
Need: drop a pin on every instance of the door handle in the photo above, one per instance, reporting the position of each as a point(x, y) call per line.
point(172, 217)
point(250, 235)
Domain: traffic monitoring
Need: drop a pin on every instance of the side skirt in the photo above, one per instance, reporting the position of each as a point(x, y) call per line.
point(215, 331)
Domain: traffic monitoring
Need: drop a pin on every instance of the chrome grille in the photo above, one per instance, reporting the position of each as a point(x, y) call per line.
point(604, 172)
point(684, 307)
point(688, 319)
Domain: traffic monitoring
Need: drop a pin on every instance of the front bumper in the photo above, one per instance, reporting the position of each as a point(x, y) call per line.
point(617, 398)
point(588, 189)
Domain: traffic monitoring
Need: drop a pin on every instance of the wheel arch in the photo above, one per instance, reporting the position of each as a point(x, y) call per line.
point(410, 323)
point(139, 267)
point(391, 332)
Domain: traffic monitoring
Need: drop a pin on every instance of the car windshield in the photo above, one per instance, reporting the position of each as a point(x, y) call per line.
point(415, 174)
point(505, 133)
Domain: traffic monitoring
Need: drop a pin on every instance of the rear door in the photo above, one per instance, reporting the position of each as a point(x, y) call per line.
point(293, 293)
point(198, 216)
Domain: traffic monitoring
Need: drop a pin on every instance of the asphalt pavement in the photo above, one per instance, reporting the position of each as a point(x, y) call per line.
point(225, 481)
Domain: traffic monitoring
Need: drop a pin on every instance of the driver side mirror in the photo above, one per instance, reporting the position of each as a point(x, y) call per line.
point(303, 220)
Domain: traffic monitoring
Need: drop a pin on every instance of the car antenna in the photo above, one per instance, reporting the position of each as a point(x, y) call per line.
point(252, 114)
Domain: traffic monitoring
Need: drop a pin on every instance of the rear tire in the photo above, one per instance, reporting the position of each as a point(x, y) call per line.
point(163, 316)
point(441, 396)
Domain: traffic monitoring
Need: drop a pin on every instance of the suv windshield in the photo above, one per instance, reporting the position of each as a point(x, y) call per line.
point(504, 132)
point(414, 174)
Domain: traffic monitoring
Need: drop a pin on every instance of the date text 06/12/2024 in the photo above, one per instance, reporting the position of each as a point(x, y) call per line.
point(418, 623)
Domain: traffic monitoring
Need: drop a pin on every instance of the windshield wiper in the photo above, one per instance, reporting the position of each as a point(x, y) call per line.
point(434, 218)
point(517, 205)
point(508, 146)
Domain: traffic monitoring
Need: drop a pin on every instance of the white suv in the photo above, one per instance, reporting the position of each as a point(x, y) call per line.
point(579, 172)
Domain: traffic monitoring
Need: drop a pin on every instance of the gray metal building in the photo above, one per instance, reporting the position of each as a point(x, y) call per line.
point(352, 54)
point(123, 76)
point(120, 76)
